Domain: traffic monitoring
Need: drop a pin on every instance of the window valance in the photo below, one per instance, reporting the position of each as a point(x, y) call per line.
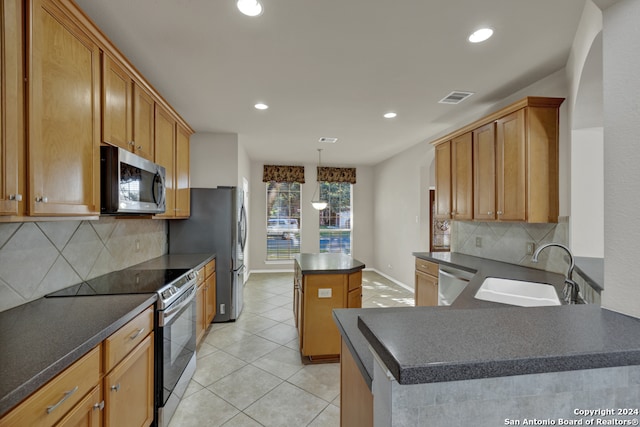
point(337, 174)
point(283, 173)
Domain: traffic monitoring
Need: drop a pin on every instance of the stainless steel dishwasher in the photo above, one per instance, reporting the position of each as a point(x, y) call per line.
point(451, 282)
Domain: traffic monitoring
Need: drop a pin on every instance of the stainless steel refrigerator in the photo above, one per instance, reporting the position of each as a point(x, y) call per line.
point(218, 224)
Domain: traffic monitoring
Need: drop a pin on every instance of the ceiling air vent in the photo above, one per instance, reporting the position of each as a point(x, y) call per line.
point(328, 140)
point(455, 97)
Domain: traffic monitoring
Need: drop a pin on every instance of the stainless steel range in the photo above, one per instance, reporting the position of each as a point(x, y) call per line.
point(175, 325)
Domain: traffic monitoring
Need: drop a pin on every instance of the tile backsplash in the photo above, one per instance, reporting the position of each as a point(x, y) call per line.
point(504, 241)
point(37, 258)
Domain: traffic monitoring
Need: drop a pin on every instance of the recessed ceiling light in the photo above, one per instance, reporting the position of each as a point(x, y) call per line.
point(249, 7)
point(261, 106)
point(390, 115)
point(481, 35)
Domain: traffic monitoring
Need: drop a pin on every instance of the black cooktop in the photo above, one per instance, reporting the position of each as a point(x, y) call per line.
point(128, 281)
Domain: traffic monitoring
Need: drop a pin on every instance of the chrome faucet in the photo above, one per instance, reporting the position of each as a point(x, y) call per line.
point(571, 289)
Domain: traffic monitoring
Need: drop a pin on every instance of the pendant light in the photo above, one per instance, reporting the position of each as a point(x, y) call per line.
point(318, 204)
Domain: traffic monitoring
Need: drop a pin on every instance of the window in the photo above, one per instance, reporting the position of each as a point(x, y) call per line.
point(335, 219)
point(283, 220)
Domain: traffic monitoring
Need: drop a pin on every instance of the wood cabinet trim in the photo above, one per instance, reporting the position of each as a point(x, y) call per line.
point(529, 101)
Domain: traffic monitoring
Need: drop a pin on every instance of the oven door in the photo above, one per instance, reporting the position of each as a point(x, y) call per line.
point(177, 324)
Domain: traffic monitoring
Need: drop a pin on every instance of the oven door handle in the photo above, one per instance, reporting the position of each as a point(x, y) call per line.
point(167, 315)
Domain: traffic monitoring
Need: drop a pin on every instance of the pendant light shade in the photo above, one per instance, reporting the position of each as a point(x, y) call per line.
point(317, 203)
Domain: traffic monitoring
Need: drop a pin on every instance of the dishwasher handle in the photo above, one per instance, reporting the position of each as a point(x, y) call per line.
point(453, 276)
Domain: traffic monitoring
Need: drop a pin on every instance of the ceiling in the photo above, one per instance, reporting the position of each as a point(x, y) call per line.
point(332, 68)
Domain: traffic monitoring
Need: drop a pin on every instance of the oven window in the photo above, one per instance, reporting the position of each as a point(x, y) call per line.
point(136, 185)
point(179, 345)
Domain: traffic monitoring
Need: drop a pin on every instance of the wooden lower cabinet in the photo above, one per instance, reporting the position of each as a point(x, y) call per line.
point(206, 299)
point(82, 395)
point(356, 400)
point(87, 413)
point(426, 283)
point(129, 389)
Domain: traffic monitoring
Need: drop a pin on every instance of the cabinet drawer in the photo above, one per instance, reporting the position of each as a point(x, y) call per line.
point(355, 280)
point(121, 342)
point(47, 405)
point(427, 267)
point(200, 275)
point(210, 268)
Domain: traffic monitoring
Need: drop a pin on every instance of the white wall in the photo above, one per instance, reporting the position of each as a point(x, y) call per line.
point(401, 206)
point(214, 160)
point(362, 237)
point(587, 193)
point(621, 42)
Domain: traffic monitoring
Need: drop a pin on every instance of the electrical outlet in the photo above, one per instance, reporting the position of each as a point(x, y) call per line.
point(531, 248)
point(137, 245)
point(324, 293)
point(478, 242)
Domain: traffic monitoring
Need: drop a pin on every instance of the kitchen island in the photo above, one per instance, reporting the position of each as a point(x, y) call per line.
point(480, 363)
point(321, 283)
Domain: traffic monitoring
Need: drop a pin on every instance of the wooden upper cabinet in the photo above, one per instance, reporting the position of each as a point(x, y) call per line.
point(12, 183)
point(515, 163)
point(511, 167)
point(462, 177)
point(117, 104)
point(64, 114)
point(484, 173)
point(127, 110)
point(182, 172)
point(165, 147)
point(443, 181)
point(143, 123)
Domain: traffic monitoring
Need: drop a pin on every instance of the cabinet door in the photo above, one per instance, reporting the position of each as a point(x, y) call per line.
point(182, 172)
point(462, 177)
point(165, 147)
point(322, 293)
point(484, 173)
point(11, 102)
point(64, 115)
point(87, 413)
point(426, 289)
point(117, 104)
point(129, 388)
point(356, 400)
point(443, 181)
point(143, 122)
point(210, 298)
point(354, 298)
point(511, 167)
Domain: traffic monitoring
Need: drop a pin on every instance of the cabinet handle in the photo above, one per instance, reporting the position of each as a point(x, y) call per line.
point(131, 143)
point(499, 212)
point(489, 213)
point(67, 394)
point(99, 406)
point(136, 334)
point(115, 387)
point(41, 199)
point(16, 197)
point(139, 147)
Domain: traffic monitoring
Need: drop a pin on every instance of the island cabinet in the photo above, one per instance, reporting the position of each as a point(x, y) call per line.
point(12, 182)
point(111, 385)
point(426, 283)
point(323, 282)
point(515, 163)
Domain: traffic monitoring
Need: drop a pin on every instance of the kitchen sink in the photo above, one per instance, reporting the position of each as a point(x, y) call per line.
point(517, 292)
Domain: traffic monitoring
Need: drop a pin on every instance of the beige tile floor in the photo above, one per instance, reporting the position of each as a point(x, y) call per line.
point(249, 372)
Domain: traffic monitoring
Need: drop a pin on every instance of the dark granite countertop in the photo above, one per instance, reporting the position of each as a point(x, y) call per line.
point(328, 263)
point(592, 270)
point(451, 345)
point(478, 339)
point(195, 261)
point(40, 339)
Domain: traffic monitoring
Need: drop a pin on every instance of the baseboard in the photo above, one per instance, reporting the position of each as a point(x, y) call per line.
point(397, 282)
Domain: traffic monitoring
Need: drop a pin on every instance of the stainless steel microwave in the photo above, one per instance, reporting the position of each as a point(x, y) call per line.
point(130, 184)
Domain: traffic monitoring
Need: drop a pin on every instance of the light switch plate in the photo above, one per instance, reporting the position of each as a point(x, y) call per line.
point(324, 293)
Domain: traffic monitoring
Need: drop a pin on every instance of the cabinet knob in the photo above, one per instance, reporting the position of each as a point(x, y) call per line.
point(139, 147)
point(115, 387)
point(489, 213)
point(16, 197)
point(99, 406)
point(499, 212)
point(41, 199)
point(131, 143)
